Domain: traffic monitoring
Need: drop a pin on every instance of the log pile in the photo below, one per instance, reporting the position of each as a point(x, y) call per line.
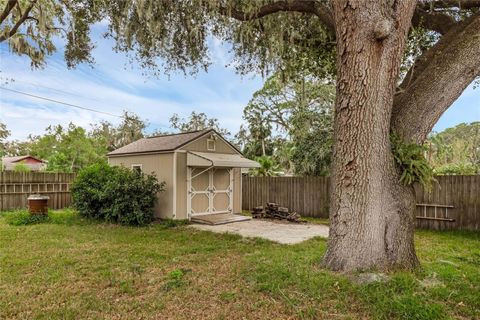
point(274, 211)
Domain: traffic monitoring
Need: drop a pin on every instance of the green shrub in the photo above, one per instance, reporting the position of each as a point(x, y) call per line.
point(88, 190)
point(116, 194)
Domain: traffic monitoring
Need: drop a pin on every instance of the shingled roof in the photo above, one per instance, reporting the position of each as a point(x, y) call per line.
point(162, 143)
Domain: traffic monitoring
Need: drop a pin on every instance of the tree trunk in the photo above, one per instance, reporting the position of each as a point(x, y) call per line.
point(371, 213)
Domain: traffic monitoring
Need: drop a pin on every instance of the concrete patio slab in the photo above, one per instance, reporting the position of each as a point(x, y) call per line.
point(281, 232)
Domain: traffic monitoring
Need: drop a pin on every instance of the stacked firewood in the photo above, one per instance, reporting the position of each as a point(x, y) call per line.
point(274, 211)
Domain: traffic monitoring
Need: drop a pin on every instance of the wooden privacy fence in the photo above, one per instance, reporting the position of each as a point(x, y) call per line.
point(306, 195)
point(454, 202)
point(15, 187)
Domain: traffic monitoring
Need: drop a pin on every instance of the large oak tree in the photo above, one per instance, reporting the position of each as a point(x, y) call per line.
point(398, 64)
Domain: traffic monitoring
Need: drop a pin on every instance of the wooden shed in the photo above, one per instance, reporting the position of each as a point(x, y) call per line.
point(202, 171)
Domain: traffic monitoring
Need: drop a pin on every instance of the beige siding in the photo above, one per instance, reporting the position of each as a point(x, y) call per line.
point(181, 185)
point(237, 190)
point(200, 145)
point(162, 166)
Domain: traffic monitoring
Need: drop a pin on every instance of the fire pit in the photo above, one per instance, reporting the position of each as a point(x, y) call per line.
point(38, 204)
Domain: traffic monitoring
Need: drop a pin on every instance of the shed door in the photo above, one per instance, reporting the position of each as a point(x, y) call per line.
point(210, 191)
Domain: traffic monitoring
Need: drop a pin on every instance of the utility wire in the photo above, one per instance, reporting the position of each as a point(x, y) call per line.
point(61, 102)
point(44, 87)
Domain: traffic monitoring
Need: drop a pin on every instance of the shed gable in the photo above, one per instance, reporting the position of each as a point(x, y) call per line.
point(205, 144)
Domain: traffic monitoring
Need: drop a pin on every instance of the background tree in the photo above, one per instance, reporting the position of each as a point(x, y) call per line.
point(456, 150)
point(363, 44)
point(16, 148)
point(68, 149)
point(129, 130)
point(292, 119)
point(11, 147)
point(4, 134)
point(268, 167)
point(196, 121)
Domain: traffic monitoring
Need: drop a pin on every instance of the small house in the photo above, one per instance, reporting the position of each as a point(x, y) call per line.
point(202, 171)
point(34, 164)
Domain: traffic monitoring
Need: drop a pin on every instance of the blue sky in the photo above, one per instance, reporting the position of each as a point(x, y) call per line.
point(112, 85)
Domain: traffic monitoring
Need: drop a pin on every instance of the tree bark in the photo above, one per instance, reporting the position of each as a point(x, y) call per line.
point(371, 213)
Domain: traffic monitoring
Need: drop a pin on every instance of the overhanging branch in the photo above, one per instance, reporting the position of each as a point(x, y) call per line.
point(443, 72)
point(302, 6)
point(424, 14)
point(434, 21)
point(8, 8)
point(21, 20)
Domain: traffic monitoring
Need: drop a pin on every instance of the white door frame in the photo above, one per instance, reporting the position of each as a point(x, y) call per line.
point(210, 192)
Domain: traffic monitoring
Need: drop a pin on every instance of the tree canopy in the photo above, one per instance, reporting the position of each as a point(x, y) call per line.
point(456, 150)
point(30, 27)
point(266, 35)
point(196, 121)
point(291, 120)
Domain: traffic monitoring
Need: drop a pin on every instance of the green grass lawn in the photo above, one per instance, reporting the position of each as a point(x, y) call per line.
point(71, 268)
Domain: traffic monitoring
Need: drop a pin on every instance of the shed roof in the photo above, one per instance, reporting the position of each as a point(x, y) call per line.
point(168, 142)
point(205, 159)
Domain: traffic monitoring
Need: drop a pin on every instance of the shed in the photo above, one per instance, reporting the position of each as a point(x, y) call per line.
point(202, 171)
point(34, 164)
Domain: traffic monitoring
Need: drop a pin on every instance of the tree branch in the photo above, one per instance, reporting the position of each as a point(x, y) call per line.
point(303, 6)
point(17, 25)
point(10, 5)
point(445, 4)
point(49, 28)
point(442, 73)
point(435, 21)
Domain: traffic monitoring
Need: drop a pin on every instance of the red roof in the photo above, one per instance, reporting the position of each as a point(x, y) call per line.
point(21, 158)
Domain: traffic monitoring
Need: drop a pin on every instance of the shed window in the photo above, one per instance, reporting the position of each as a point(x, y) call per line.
point(137, 167)
point(211, 144)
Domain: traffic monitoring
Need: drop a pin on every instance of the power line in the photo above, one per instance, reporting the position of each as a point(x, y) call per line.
point(61, 102)
point(45, 87)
